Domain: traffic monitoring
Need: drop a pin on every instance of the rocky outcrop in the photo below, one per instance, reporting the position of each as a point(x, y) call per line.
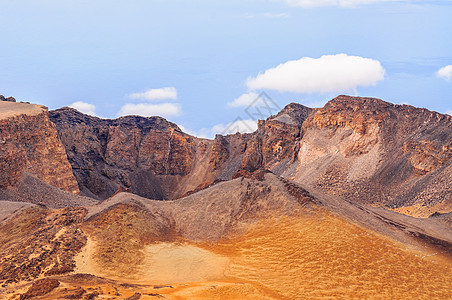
point(374, 152)
point(145, 155)
point(29, 142)
point(39, 242)
point(364, 149)
point(9, 99)
point(40, 287)
point(155, 159)
point(276, 139)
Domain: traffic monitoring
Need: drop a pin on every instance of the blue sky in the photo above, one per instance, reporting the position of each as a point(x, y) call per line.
point(191, 60)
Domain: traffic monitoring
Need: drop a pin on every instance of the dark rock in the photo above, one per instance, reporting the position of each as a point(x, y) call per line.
point(40, 287)
point(135, 296)
point(9, 99)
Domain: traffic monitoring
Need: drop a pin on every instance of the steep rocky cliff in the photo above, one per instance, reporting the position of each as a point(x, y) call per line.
point(374, 152)
point(29, 142)
point(155, 159)
point(363, 149)
point(146, 155)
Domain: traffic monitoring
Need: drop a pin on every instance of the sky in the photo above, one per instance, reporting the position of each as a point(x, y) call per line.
point(218, 66)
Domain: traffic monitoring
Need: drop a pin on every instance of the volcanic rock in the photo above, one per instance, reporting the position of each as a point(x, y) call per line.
point(29, 142)
point(9, 99)
point(40, 287)
point(374, 152)
point(143, 154)
point(155, 159)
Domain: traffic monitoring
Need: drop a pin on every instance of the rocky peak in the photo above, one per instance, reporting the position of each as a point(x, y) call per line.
point(72, 117)
point(357, 113)
point(355, 103)
point(276, 139)
point(29, 142)
point(293, 114)
point(351, 147)
point(9, 99)
point(130, 151)
point(356, 146)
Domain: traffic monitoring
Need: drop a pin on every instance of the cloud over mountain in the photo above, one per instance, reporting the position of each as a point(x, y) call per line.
point(244, 100)
point(327, 74)
point(146, 110)
point(156, 94)
point(86, 108)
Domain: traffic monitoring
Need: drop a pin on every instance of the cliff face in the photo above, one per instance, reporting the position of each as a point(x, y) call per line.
point(378, 153)
point(275, 142)
point(155, 159)
point(29, 142)
point(145, 155)
point(363, 149)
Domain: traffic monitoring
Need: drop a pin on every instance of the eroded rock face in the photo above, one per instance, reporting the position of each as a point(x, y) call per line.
point(155, 159)
point(375, 152)
point(29, 142)
point(136, 152)
point(363, 149)
point(276, 139)
point(40, 287)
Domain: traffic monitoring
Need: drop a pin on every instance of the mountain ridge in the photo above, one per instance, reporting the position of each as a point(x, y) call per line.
point(352, 147)
point(301, 208)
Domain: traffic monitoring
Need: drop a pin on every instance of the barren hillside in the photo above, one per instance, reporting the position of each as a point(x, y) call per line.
point(242, 238)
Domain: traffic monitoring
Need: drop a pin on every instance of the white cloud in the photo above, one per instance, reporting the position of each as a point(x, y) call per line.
point(342, 3)
point(244, 100)
point(268, 15)
point(327, 74)
point(445, 72)
point(147, 110)
point(86, 108)
point(449, 112)
point(239, 125)
point(186, 130)
point(316, 104)
point(156, 94)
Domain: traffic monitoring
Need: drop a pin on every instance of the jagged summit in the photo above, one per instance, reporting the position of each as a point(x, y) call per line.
point(353, 100)
point(73, 117)
point(8, 99)
point(297, 113)
point(352, 147)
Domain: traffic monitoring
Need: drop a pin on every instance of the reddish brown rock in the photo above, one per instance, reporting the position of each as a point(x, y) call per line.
point(143, 154)
point(155, 159)
point(353, 147)
point(276, 139)
point(40, 287)
point(29, 142)
point(375, 152)
point(38, 242)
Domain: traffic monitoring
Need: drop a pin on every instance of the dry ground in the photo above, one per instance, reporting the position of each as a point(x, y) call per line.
point(313, 257)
